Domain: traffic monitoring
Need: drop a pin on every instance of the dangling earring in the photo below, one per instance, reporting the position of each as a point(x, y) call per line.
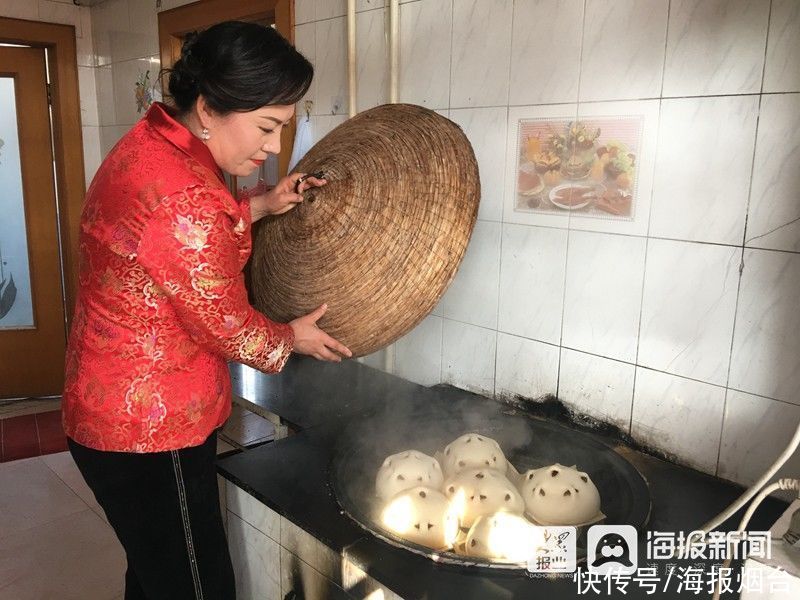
point(205, 135)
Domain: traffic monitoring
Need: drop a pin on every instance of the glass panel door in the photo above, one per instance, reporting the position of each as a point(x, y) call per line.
point(16, 303)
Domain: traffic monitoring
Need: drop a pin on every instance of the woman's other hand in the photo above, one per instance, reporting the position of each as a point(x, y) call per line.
point(283, 197)
point(311, 340)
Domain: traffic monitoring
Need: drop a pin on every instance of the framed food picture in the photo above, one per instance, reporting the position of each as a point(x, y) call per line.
point(589, 168)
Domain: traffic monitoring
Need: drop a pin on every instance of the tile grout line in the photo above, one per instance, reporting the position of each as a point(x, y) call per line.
point(502, 207)
point(644, 235)
point(635, 99)
point(38, 435)
point(650, 216)
point(569, 216)
point(69, 487)
point(744, 244)
point(449, 103)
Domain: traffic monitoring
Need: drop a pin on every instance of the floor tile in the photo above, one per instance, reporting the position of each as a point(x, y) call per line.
point(67, 471)
point(32, 495)
point(244, 428)
point(72, 558)
point(20, 439)
point(51, 432)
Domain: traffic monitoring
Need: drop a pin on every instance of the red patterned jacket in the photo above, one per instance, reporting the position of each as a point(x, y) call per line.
point(162, 303)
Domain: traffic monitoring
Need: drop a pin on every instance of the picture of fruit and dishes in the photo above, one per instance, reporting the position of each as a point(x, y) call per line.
point(585, 167)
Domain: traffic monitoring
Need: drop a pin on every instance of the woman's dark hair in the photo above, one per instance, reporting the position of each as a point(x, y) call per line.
point(239, 67)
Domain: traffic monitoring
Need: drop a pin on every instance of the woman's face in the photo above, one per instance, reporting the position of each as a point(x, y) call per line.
point(241, 141)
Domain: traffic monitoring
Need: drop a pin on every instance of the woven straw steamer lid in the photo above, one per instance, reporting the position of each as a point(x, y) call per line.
point(383, 239)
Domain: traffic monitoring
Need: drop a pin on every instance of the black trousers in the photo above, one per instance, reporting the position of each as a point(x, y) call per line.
point(164, 508)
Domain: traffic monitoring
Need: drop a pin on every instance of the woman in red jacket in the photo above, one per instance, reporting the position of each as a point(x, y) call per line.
point(162, 305)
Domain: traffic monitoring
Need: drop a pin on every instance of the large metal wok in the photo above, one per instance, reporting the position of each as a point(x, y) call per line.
point(527, 442)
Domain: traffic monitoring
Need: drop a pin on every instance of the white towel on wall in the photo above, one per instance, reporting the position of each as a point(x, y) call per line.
point(303, 141)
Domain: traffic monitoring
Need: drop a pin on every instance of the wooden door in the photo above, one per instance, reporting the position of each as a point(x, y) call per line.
point(174, 24)
point(32, 326)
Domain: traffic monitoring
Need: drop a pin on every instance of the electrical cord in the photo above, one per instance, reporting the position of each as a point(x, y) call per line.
point(782, 484)
point(747, 495)
point(753, 490)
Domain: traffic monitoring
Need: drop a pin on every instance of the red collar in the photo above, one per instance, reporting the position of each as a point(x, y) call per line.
point(160, 117)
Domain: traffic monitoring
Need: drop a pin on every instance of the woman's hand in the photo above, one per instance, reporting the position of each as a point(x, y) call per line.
point(310, 339)
point(283, 197)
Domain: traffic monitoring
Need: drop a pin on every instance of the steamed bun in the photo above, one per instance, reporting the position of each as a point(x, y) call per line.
point(473, 451)
point(406, 470)
point(559, 495)
point(421, 515)
point(484, 492)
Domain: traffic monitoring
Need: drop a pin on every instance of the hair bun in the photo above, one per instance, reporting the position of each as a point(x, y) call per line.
point(238, 66)
point(188, 43)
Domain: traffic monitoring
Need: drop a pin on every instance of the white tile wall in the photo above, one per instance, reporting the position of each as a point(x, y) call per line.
point(704, 159)
point(331, 67)
point(305, 41)
point(418, 354)
point(783, 49)
point(124, 76)
point(481, 52)
point(92, 152)
point(623, 49)
point(110, 135)
point(256, 560)
point(424, 40)
point(327, 9)
point(678, 416)
point(106, 106)
point(603, 295)
point(486, 130)
point(304, 11)
point(88, 94)
point(525, 367)
point(715, 47)
point(85, 43)
point(532, 282)
point(472, 296)
point(545, 51)
point(688, 309)
point(373, 76)
point(144, 28)
point(110, 28)
point(255, 513)
point(468, 356)
point(774, 214)
point(766, 343)
point(755, 432)
point(599, 387)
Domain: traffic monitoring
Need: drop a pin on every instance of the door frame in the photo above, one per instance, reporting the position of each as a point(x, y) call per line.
point(175, 23)
point(67, 133)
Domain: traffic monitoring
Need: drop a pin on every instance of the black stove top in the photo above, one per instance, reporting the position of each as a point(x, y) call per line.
point(293, 477)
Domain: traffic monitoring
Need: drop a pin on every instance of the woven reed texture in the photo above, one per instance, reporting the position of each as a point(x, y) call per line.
point(383, 239)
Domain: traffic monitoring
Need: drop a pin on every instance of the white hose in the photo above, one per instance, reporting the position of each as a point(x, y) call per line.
point(753, 490)
point(782, 484)
point(351, 58)
point(394, 49)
